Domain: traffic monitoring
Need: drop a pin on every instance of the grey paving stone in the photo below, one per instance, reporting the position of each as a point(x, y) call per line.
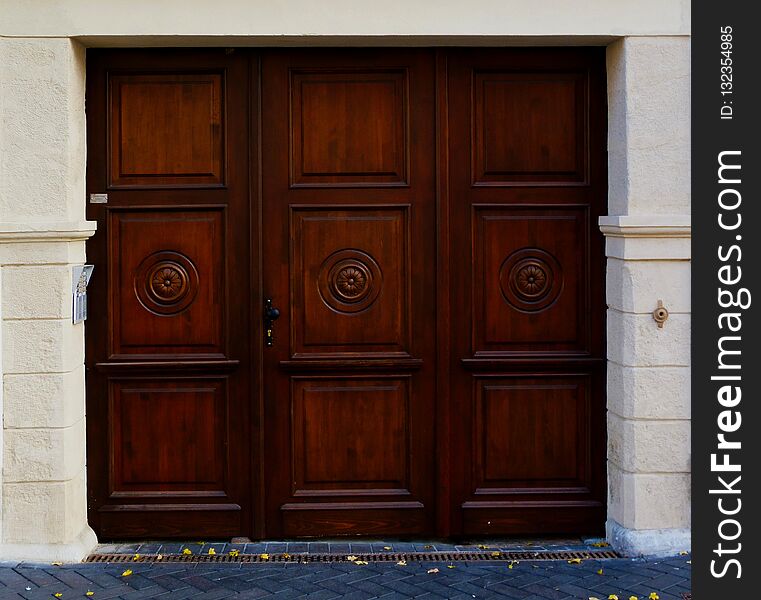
point(297, 547)
point(213, 581)
point(322, 595)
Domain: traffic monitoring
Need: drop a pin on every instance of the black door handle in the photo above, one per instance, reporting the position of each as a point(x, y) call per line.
point(271, 314)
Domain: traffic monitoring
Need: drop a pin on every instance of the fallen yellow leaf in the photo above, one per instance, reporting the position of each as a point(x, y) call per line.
point(600, 544)
point(57, 563)
point(89, 593)
point(450, 566)
point(402, 563)
point(612, 597)
point(574, 561)
point(58, 594)
point(286, 555)
point(683, 553)
point(187, 551)
point(387, 547)
point(633, 598)
point(482, 547)
point(496, 553)
point(212, 551)
point(264, 556)
point(234, 553)
point(127, 573)
point(136, 557)
point(653, 596)
point(360, 562)
point(593, 598)
point(599, 571)
point(352, 558)
point(428, 547)
point(159, 556)
point(434, 570)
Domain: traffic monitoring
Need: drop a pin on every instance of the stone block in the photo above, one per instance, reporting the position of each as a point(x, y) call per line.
point(42, 346)
point(44, 454)
point(648, 500)
point(649, 125)
point(649, 392)
point(636, 286)
point(636, 340)
point(44, 399)
point(39, 292)
point(649, 446)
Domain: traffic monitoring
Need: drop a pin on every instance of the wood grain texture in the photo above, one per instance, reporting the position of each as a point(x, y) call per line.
point(530, 128)
point(166, 130)
point(350, 435)
point(349, 127)
point(531, 433)
point(530, 289)
point(358, 257)
point(145, 458)
point(167, 292)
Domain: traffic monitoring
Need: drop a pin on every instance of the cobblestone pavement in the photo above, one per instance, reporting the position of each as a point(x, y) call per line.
point(542, 580)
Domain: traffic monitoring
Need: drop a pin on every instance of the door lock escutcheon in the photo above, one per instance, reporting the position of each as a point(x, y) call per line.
point(271, 314)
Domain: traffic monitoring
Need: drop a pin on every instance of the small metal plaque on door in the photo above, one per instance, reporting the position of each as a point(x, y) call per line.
point(80, 277)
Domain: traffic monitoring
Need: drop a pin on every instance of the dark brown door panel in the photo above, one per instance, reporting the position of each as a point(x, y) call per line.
point(527, 184)
point(170, 417)
point(349, 199)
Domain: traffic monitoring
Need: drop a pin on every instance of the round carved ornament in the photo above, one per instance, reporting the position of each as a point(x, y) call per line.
point(349, 281)
point(530, 279)
point(166, 283)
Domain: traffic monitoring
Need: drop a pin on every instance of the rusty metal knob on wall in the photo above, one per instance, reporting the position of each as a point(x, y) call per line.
point(660, 314)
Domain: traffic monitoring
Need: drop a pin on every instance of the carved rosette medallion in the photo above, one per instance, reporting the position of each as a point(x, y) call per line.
point(166, 283)
point(530, 279)
point(349, 281)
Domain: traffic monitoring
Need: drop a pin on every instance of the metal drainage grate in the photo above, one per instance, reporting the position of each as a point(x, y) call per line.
point(336, 558)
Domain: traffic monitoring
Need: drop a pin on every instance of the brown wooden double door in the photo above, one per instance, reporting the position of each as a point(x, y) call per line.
point(424, 222)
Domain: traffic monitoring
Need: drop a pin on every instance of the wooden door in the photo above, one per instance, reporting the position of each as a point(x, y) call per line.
point(168, 342)
point(424, 221)
point(349, 244)
point(527, 184)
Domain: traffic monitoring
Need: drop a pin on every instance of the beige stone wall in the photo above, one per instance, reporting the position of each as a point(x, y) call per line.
point(42, 231)
point(648, 248)
point(190, 22)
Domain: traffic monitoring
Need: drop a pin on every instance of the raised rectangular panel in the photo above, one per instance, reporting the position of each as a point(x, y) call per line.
point(167, 281)
point(350, 435)
point(350, 280)
point(166, 130)
point(529, 128)
point(531, 432)
point(168, 435)
point(349, 128)
point(530, 279)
